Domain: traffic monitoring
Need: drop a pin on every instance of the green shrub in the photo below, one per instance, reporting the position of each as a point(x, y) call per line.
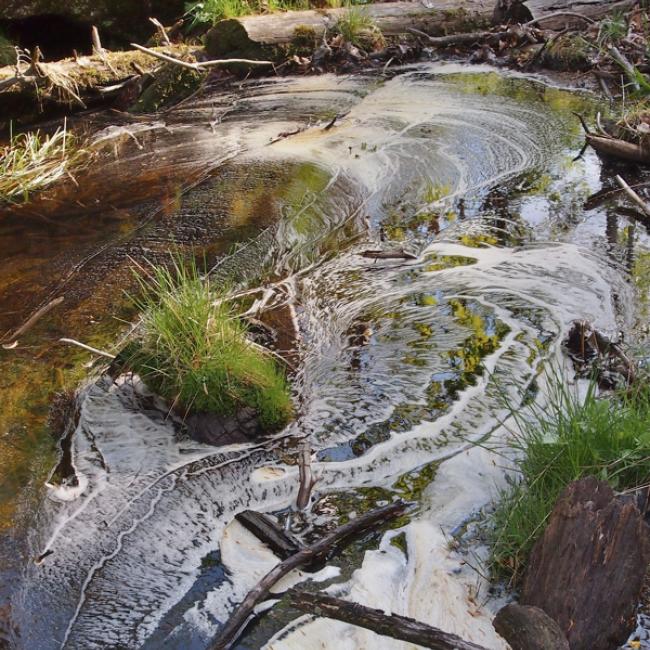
point(567, 440)
point(194, 352)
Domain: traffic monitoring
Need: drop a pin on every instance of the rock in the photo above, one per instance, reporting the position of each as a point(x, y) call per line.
point(124, 19)
point(587, 570)
point(217, 430)
point(511, 11)
point(529, 628)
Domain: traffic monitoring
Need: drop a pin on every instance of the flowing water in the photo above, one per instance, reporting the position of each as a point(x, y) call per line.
point(405, 363)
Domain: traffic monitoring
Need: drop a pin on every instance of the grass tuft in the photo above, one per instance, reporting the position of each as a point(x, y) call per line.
point(31, 162)
point(570, 438)
point(194, 352)
point(358, 28)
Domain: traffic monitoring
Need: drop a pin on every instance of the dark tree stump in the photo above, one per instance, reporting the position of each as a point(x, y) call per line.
point(587, 570)
point(529, 628)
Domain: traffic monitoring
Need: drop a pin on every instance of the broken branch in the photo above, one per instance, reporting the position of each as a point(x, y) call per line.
point(307, 555)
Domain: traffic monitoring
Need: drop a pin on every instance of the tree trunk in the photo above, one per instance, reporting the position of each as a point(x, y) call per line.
point(587, 570)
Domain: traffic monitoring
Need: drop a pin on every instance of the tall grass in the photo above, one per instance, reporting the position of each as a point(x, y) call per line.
point(568, 439)
point(193, 351)
point(31, 162)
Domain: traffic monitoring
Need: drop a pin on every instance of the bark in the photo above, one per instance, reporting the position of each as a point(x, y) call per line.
point(529, 628)
point(316, 552)
point(587, 570)
point(258, 36)
point(391, 625)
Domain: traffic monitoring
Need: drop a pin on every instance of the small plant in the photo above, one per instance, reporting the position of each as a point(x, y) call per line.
point(613, 29)
point(211, 11)
point(31, 162)
point(359, 29)
point(193, 351)
point(567, 440)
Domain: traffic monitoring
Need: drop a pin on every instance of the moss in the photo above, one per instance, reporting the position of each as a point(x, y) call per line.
point(568, 52)
point(171, 85)
point(7, 52)
point(304, 40)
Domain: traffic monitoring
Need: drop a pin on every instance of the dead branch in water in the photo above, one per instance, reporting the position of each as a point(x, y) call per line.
point(633, 195)
point(390, 625)
point(318, 551)
point(79, 344)
point(30, 322)
point(269, 533)
point(307, 479)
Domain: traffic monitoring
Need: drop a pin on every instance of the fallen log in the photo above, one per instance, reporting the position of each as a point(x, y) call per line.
point(394, 626)
point(268, 532)
point(634, 196)
point(587, 570)
point(74, 82)
point(319, 551)
point(257, 36)
point(615, 148)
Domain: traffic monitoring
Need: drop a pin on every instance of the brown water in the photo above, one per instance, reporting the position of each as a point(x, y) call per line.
point(472, 170)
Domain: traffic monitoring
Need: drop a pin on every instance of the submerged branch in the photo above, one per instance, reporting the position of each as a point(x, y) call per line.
point(390, 625)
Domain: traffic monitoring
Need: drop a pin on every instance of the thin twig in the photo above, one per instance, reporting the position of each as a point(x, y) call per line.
point(633, 195)
point(102, 353)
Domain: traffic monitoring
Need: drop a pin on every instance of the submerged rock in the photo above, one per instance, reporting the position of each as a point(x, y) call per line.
point(213, 429)
point(529, 628)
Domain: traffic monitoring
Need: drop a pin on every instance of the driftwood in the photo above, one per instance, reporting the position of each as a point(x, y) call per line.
point(587, 570)
point(319, 551)
point(254, 35)
point(529, 628)
point(391, 625)
point(268, 532)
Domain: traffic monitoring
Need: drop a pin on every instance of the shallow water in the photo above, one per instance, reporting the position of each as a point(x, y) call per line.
point(470, 169)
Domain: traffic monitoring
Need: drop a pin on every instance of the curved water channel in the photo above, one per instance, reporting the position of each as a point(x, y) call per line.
point(470, 169)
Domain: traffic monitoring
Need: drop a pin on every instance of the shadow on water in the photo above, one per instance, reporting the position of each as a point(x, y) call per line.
point(403, 361)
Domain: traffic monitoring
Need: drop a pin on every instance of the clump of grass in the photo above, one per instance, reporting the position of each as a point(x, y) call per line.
point(194, 352)
point(612, 29)
point(31, 162)
point(358, 28)
point(570, 438)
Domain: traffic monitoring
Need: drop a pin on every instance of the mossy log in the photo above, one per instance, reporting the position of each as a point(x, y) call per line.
point(75, 84)
point(272, 34)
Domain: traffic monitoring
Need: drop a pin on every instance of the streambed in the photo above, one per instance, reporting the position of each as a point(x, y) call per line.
point(471, 169)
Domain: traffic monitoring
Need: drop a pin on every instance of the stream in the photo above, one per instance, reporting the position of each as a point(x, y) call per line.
point(405, 364)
